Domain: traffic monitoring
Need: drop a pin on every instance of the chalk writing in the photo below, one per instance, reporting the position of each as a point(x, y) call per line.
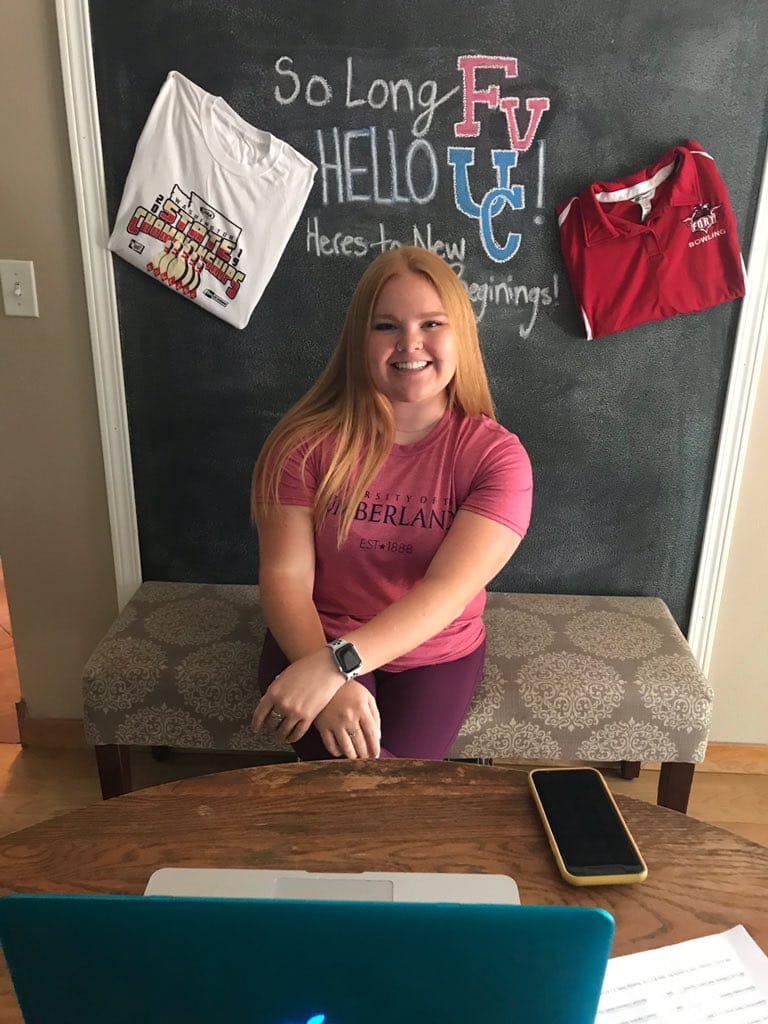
point(342, 243)
point(461, 159)
point(505, 292)
point(381, 93)
point(540, 191)
point(491, 98)
point(372, 162)
point(388, 175)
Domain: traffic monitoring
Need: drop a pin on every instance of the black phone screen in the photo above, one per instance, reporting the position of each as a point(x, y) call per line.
point(589, 833)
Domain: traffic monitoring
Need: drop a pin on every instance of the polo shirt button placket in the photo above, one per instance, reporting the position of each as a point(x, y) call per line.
point(652, 246)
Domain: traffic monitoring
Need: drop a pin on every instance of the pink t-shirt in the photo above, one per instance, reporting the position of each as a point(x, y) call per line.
point(470, 463)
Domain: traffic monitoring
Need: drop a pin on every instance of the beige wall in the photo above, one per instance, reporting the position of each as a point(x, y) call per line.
point(54, 529)
point(739, 666)
point(54, 534)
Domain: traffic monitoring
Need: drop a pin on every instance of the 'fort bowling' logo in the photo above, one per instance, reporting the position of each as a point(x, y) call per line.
point(703, 218)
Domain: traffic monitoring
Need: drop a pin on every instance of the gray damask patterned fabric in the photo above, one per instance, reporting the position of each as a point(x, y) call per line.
point(567, 677)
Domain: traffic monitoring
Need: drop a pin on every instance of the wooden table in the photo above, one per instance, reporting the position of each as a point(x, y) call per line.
point(389, 816)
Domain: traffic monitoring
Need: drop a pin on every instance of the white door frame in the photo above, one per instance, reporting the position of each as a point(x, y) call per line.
point(87, 164)
point(90, 195)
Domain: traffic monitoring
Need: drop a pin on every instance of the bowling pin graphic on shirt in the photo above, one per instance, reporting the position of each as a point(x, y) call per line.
point(210, 202)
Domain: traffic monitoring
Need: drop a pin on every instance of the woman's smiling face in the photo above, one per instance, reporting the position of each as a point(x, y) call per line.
point(411, 345)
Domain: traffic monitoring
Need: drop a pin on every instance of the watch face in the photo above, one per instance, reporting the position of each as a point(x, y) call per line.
point(348, 658)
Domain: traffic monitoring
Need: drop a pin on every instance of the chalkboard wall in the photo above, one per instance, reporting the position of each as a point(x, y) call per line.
point(622, 431)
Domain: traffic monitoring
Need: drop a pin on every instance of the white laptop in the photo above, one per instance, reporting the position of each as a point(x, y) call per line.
point(369, 886)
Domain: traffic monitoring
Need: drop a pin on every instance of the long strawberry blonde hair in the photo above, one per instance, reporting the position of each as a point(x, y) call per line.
point(344, 404)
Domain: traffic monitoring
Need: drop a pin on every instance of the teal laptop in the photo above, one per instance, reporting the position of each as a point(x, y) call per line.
point(168, 960)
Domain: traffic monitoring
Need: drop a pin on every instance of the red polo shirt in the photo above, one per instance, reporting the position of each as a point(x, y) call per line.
point(659, 242)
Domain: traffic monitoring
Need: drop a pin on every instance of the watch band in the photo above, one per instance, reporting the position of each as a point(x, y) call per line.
point(346, 657)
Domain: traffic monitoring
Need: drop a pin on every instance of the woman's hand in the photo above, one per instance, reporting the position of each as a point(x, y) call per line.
point(296, 697)
point(350, 725)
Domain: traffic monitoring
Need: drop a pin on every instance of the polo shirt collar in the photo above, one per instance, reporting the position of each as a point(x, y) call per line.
point(685, 191)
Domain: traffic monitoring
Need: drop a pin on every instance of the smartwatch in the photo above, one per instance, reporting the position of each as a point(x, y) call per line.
point(346, 658)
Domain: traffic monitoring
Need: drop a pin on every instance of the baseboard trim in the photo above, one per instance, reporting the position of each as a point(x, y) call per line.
point(724, 758)
point(738, 758)
point(51, 733)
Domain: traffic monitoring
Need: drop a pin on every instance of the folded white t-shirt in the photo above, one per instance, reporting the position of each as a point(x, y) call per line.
point(210, 201)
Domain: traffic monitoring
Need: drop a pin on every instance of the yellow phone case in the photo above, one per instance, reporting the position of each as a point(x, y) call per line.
point(640, 876)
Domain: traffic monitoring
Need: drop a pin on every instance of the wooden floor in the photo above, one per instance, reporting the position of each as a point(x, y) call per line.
point(37, 784)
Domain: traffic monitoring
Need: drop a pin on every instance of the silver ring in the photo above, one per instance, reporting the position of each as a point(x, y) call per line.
point(280, 718)
point(351, 734)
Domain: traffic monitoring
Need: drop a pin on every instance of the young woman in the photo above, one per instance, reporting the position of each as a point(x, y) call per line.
point(385, 501)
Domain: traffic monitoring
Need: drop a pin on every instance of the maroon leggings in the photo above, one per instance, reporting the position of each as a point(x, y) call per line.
point(422, 709)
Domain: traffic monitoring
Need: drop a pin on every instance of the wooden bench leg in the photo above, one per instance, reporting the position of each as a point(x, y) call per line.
point(675, 780)
point(114, 766)
point(629, 769)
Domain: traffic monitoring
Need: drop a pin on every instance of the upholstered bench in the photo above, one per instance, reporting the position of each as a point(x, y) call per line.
point(567, 678)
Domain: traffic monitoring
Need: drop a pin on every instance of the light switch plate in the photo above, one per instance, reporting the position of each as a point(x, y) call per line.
point(17, 278)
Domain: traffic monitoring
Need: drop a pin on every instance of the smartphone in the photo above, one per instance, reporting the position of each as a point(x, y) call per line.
point(589, 838)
